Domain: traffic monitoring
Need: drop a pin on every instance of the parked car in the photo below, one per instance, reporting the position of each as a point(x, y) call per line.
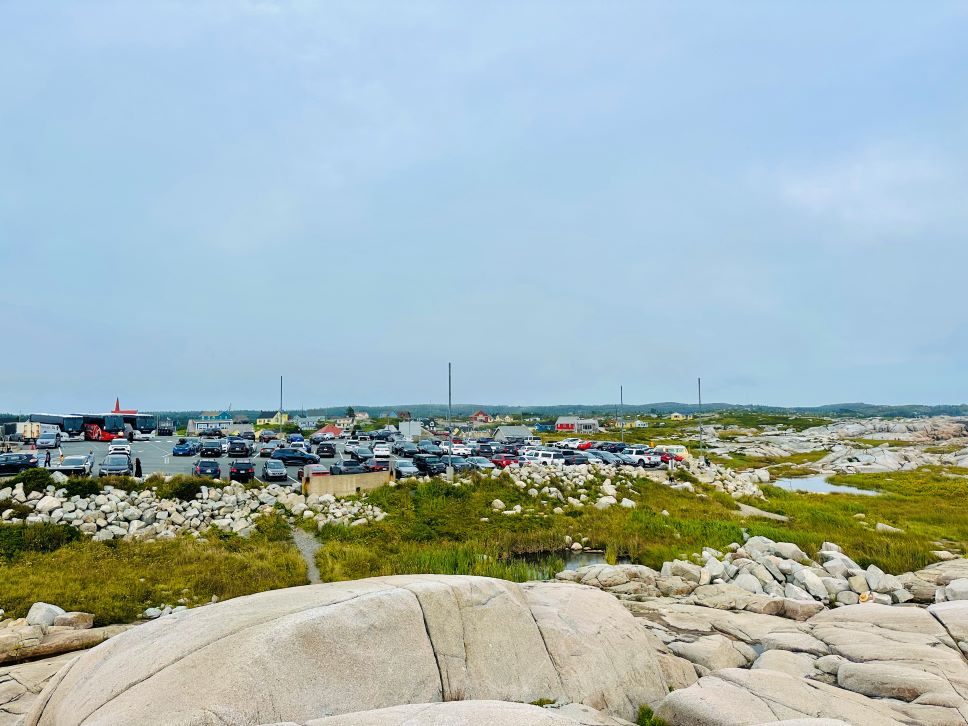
point(316, 438)
point(186, 447)
point(248, 435)
point(403, 468)
point(294, 457)
point(210, 433)
point(265, 451)
point(116, 465)
point(429, 447)
point(77, 465)
point(239, 448)
point(274, 470)
point(643, 456)
point(266, 435)
point(140, 436)
point(224, 443)
point(16, 463)
point(326, 450)
point(48, 440)
point(545, 457)
point(211, 448)
point(375, 464)
point(503, 461)
point(457, 463)
point(406, 449)
point(480, 463)
point(120, 446)
point(585, 445)
point(362, 453)
point(347, 467)
point(294, 437)
point(575, 458)
point(242, 471)
point(207, 467)
point(381, 450)
point(429, 464)
point(456, 448)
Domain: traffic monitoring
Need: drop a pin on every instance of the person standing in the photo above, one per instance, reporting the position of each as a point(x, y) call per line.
point(137, 468)
point(47, 459)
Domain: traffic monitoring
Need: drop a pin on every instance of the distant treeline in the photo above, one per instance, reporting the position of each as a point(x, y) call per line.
point(424, 410)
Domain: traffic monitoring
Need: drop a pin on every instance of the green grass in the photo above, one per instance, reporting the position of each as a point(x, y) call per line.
point(647, 718)
point(738, 460)
point(117, 580)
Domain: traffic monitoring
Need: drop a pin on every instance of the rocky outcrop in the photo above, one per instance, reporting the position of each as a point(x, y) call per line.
point(48, 630)
point(339, 648)
point(21, 684)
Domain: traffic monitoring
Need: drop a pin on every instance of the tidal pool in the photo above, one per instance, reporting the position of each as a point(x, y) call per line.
point(820, 485)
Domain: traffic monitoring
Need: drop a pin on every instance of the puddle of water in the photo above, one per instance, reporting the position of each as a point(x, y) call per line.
point(574, 560)
point(820, 485)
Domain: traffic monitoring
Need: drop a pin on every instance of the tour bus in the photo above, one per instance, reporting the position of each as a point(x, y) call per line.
point(103, 426)
point(143, 422)
point(70, 426)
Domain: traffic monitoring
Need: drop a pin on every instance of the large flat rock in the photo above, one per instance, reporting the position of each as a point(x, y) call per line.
point(324, 650)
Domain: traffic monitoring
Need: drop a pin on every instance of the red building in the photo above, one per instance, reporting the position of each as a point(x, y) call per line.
point(480, 417)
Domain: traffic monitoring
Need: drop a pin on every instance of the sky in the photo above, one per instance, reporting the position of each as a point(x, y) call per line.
point(557, 197)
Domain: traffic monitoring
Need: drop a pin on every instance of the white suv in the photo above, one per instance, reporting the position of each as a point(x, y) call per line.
point(545, 458)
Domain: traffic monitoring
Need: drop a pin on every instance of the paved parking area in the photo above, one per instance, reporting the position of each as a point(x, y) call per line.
point(156, 456)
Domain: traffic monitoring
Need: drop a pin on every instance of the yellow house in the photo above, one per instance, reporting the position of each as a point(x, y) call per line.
point(279, 419)
point(676, 417)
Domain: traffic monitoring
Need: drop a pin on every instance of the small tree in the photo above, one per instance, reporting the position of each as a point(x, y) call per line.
point(350, 413)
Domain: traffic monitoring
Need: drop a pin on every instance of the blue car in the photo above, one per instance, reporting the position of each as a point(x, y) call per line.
point(185, 448)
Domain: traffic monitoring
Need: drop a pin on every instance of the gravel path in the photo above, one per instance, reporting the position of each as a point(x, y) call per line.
point(307, 546)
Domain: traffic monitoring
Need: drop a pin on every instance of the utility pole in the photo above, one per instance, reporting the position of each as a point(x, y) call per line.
point(280, 400)
point(450, 424)
point(702, 447)
point(621, 408)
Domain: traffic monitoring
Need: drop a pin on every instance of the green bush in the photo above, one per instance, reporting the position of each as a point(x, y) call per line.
point(647, 718)
point(180, 486)
point(33, 480)
point(19, 510)
point(82, 487)
point(16, 539)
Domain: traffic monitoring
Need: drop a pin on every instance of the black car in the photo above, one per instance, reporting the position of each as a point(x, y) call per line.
point(241, 470)
point(404, 449)
point(238, 447)
point(377, 465)
point(326, 450)
point(429, 465)
point(274, 470)
point(291, 457)
point(207, 467)
point(211, 434)
point(362, 453)
point(573, 458)
point(248, 435)
point(16, 463)
point(116, 465)
point(457, 463)
point(315, 438)
point(210, 448)
point(429, 447)
point(347, 467)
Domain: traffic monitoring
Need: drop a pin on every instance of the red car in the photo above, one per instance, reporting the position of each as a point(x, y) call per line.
point(585, 445)
point(377, 465)
point(502, 461)
point(667, 457)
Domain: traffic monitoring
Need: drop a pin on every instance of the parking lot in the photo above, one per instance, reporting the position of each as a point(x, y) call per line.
point(156, 456)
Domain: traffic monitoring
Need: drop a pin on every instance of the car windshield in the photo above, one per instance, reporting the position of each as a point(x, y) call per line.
point(275, 464)
point(48, 435)
point(116, 461)
point(404, 462)
point(432, 460)
point(74, 460)
point(457, 460)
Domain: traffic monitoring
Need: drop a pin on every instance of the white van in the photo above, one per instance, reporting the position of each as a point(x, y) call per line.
point(545, 458)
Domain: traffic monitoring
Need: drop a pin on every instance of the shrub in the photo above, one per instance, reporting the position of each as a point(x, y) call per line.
point(19, 510)
point(82, 487)
point(33, 480)
point(16, 539)
point(180, 486)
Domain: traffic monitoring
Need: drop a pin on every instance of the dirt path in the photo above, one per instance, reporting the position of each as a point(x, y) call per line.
point(307, 546)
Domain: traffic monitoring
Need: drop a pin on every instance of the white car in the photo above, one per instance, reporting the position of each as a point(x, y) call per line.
point(568, 443)
point(455, 449)
point(545, 458)
point(643, 456)
point(119, 446)
point(381, 451)
point(225, 445)
point(141, 436)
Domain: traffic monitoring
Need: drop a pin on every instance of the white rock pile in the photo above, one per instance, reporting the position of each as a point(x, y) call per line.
point(119, 514)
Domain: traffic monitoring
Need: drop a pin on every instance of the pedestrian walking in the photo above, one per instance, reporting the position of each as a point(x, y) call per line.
point(47, 460)
point(60, 458)
point(137, 467)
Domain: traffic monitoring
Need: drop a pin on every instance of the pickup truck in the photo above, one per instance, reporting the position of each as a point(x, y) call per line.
point(643, 456)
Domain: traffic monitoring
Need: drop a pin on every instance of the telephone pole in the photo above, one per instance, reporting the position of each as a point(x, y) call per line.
point(621, 408)
point(702, 446)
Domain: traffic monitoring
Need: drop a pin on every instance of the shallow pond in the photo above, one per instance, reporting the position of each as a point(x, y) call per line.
point(820, 485)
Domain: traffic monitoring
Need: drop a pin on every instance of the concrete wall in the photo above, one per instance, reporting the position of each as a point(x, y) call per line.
point(344, 484)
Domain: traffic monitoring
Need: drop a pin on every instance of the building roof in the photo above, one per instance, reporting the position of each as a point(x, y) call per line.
point(512, 432)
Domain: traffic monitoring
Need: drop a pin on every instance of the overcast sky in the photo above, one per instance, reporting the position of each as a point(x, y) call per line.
point(560, 197)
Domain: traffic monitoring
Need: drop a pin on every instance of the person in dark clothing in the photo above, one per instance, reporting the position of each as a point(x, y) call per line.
point(137, 468)
point(47, 459)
